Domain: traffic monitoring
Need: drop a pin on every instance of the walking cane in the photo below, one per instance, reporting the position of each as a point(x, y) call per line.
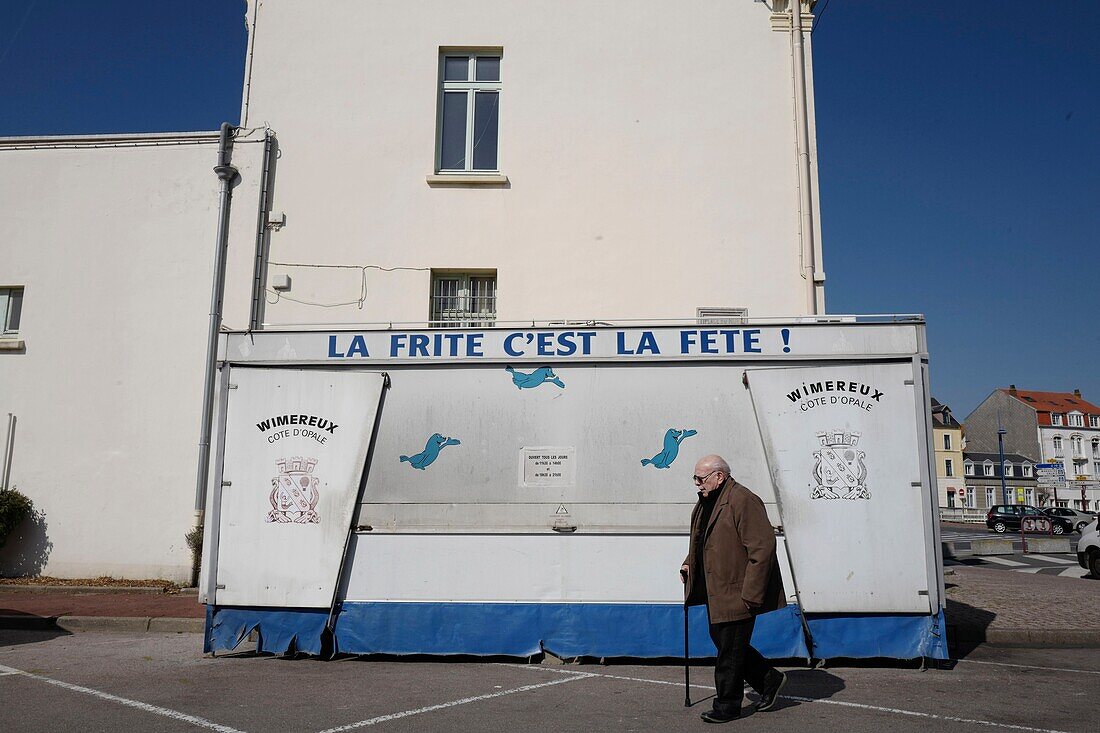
point(687, 659)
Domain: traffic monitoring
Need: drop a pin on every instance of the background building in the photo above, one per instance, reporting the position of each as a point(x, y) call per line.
point(396, 162)
point(1046, 427)
point(983, 481)
point(948, 439)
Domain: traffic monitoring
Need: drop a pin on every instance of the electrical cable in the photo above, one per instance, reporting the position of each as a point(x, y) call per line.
point(817, 20)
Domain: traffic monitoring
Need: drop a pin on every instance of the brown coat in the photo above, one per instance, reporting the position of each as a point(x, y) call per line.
point(739, 558)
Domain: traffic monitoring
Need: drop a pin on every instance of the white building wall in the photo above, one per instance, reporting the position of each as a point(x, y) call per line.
point(114, 247)
point(650, 156)
point(649, 150)
point(1079, 475)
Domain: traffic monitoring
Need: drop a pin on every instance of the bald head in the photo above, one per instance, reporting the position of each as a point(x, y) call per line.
point(710, 473)
point(712, 463)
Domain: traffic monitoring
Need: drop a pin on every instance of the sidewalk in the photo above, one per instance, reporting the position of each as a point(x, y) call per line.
point(1001, 607)
point(78, 608)
point(982, 606)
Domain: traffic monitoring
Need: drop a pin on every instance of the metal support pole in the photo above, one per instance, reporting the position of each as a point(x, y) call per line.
point(226, 173)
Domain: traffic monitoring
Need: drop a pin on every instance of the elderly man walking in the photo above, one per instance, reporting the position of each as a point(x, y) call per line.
point(731, 567)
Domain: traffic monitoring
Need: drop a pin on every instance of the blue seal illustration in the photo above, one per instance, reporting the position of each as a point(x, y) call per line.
point(542, 375)
point(673, 438)
point(426, 457)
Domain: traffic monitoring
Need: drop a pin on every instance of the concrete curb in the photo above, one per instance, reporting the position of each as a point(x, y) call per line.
point(998, 546)
point(132, 624)
point(1033, 638)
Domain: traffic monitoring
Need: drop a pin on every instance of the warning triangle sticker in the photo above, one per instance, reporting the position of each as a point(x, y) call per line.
point(561, 509)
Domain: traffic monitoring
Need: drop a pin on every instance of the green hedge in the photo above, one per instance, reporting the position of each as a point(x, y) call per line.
point(14, 508)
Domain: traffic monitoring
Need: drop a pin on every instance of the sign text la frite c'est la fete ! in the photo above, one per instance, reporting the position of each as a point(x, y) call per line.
point(734, 342)
point(560, 343)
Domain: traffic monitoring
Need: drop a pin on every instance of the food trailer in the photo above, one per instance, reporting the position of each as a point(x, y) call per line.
point(527, 488)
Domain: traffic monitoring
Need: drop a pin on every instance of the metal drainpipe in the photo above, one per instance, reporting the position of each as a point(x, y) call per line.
point(802, 135)
point(9, 447)
point(259, 272)
point(226, 173)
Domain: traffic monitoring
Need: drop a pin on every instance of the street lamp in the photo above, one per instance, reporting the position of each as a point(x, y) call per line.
point(1001, 448)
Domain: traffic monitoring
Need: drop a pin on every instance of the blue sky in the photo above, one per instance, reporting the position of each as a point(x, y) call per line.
point(958, 152)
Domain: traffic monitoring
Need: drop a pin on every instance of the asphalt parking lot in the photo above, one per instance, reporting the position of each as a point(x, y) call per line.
point(55, 681)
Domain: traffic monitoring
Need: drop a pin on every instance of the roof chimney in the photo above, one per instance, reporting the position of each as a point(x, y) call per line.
point(1077, 393)
point(1012, 389)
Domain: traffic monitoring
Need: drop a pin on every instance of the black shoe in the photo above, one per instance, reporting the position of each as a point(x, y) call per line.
point(717, 716)
point(770, 695)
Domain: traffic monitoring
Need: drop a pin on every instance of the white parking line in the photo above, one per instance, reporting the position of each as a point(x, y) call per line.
point(1030, 666)
point(877, 708)
point(1048, 558)
point(913, 713)
point(453, 703)
point(1002, 561)
point(174, 714)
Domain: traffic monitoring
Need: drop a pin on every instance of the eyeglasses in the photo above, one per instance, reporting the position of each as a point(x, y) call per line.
point(700, 479)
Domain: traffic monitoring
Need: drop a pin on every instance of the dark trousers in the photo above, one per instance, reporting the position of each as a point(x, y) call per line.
point(738, 663)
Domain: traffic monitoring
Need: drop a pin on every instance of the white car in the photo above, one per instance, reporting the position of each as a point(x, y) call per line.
point(1088, 548)
point(1075, 517)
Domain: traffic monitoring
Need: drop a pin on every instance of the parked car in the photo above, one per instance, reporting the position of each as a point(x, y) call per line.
point(1005, 517)
point(1077, 518)
point(1088, 549)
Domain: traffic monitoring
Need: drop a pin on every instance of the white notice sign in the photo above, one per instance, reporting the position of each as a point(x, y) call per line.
point(548, 466)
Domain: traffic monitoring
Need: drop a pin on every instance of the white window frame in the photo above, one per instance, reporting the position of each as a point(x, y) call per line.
point(5, 311)
point(968, 468)
point(1096, 446)
point(1029, 496)
point(1057, 441)
point(1007, 468)
point(1055, 418)
point(947, 441)
point(1076, 420)
point(948, 468)
point(970, 501)
point(1026, 469)
point(464, 316)
point(471, 87)
point(990, 496)
point(987, 468)
point(1094, 421)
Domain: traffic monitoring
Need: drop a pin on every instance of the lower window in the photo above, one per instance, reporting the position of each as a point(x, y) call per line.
point(463, 299)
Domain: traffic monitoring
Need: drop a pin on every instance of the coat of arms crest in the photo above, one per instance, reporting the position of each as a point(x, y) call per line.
point(838, 467)
point(294, 492)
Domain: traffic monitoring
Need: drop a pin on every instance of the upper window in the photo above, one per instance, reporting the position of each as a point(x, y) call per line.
point(988, 467)
point(1076, 420)
point(1026, 469)
point(469, 103)
point(1094, 421)
point(947, 441)
point(1058, 445)
point(463, 299)
point(11, 308)
point(969, 468)
point(1055, 418)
